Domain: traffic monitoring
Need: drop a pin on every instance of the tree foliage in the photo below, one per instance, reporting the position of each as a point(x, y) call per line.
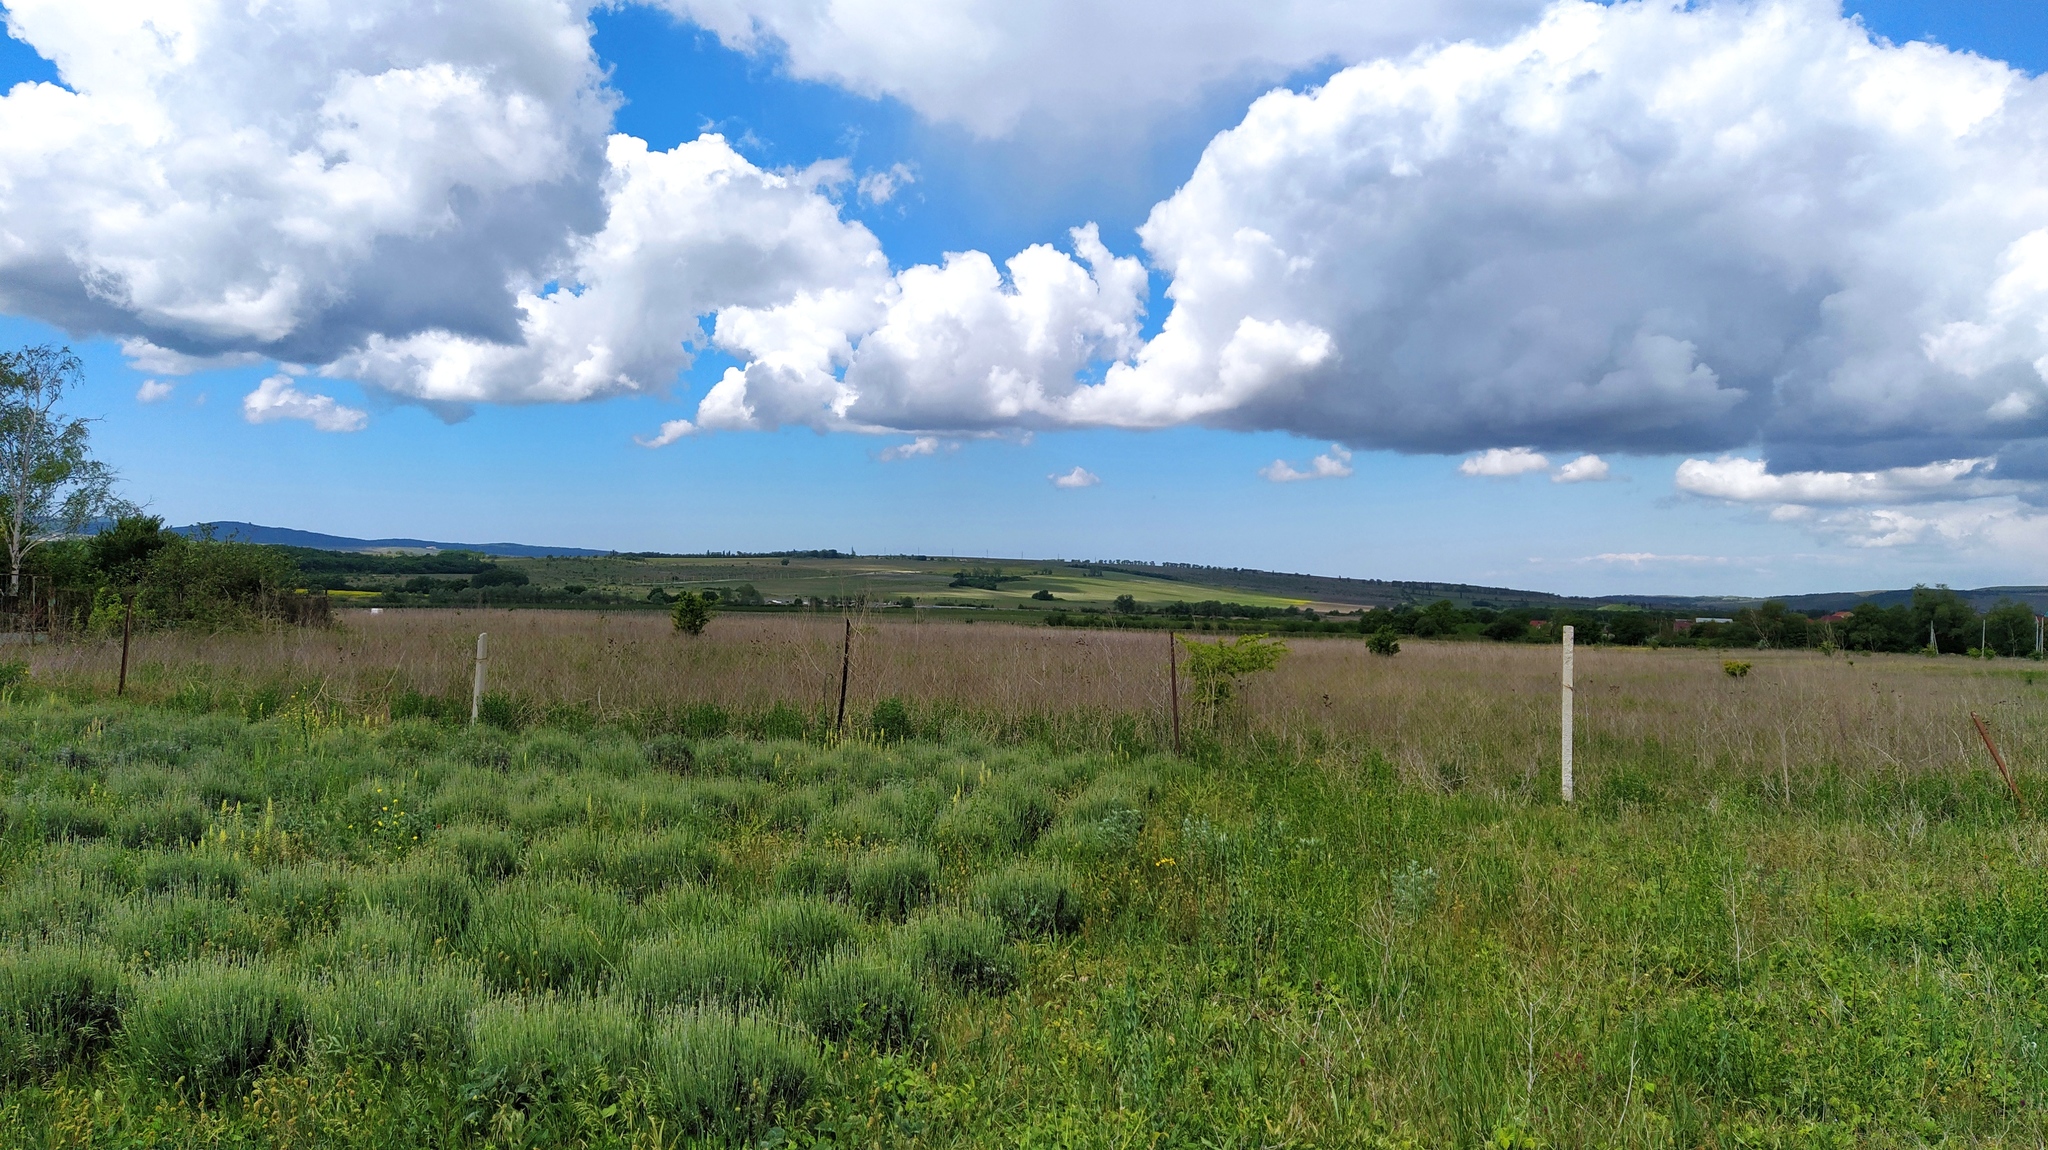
point(691, 613)
point(50, 485)
point(1218, 670)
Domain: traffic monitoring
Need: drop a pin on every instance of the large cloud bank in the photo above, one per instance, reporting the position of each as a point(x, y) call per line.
point(1637, 228)
point(995, 66)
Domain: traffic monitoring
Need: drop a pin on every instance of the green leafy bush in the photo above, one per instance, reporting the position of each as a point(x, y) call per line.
point(212, 1026)
point(890, 721)
point(691, 613)
point(1385, 641)
point(1217, 670)
point(670, 753)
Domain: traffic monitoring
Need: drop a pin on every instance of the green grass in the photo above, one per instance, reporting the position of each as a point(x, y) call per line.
point(284, 932)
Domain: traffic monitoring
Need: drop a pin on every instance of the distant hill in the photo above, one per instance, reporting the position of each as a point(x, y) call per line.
point(290, 537)
point(1205, 581)
point(1394, 592)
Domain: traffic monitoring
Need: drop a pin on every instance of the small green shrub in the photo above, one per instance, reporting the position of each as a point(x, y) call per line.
point(13, 673)
point(732, 1078)
point(966, 953)
point(439, 898)
point(393, 1017)
point(302, 900)
point(799, 931)
point(1735, 669)
point(557, 936)
point(552, 751)
point(485, 853)
point(60, 817)
point(167, 929)
point(527, 1052)
point(892, 885)
point(813, 873)
point(57, 1005)
point(219, 876)
point(730, 967)
point(1385, 641)
point(670, 753)
point(864, 1003)
point(210, 1026)
point(691, 613)
point(1030, 901)
point(890, 721)
point(635, 864)
point(170, 822)
point(780, 721)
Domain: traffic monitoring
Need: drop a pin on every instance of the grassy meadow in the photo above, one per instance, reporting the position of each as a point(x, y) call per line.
point(284, 895)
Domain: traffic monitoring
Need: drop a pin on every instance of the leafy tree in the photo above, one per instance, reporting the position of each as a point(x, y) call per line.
point(50, 485)
point(121, 553)
point(1218, 670)
point(691, 613)
point(1042, 595)
point(496, 576)
point(1870, 627)
point(1954, 622)
point(2008, 628)
point(1507, 628)
point(1631, 628)
point(1124, 605)
point(1384, 641)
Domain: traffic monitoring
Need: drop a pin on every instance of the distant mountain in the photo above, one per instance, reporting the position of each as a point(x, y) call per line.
point(290, 537)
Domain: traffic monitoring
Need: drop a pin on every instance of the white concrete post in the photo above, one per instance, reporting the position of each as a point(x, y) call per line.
point(1566, 774)
point(476, 692)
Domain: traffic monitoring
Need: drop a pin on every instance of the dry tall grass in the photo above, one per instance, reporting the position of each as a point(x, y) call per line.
point(1443, 713)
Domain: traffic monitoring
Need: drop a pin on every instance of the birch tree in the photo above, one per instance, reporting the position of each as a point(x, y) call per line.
point(50, 485)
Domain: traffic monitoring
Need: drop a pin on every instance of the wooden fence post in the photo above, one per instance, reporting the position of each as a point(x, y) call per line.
point(476, 690)
point(1565, 774)
point(1173, 684)
point(845, 669)
point(127, 629)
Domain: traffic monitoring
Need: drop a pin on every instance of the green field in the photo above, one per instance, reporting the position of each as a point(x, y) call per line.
point(883, 580)
point(283, 924)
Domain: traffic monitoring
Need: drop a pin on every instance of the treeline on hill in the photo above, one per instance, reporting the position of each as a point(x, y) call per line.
point(1937, 612)
point(174, 581)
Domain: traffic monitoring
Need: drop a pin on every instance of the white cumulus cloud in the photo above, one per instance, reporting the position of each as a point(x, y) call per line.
point(1584, 469)
point(153, 391)
point(1332, 464)
point(922, 445)
point(669, 432)
point(1078, 477)
point(275, 398)
point(1741, 480)
point(1504, 462)
point(1643, 226)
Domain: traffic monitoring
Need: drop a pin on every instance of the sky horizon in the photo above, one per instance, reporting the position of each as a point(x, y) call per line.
point(1742, 297)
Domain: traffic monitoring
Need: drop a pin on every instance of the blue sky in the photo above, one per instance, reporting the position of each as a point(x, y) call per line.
point(575, 473)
